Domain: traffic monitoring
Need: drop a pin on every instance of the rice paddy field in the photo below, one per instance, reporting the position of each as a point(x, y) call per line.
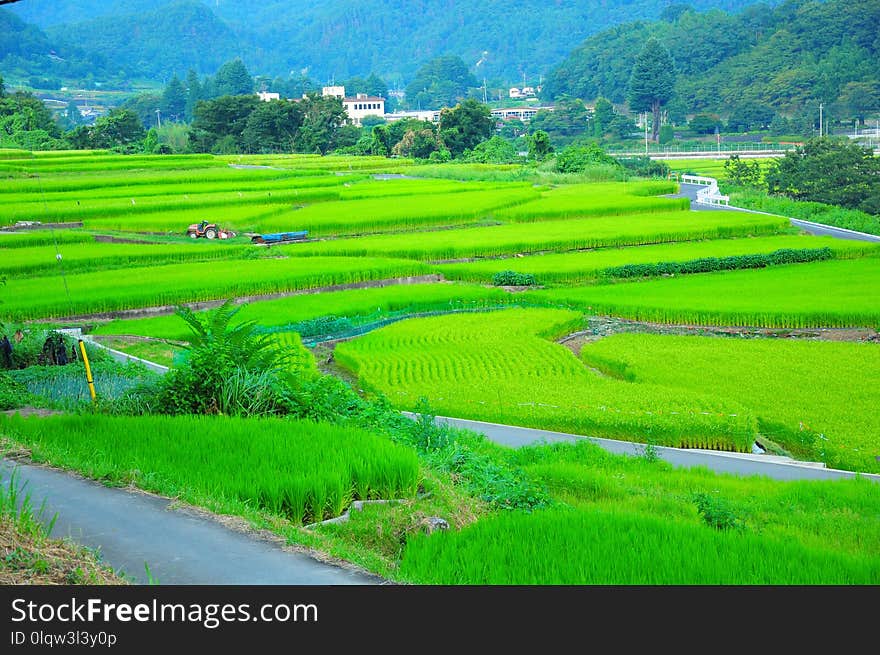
point(303, 470)
point(472, 350)
point(580, 267)
point(838, 294)
point(503, 367)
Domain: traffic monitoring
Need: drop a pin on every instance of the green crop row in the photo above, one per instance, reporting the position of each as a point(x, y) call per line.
point(301, 470)
point(776, 379)
point(351, 303)
point(240, 217)
point(822, 294)
point(730, 263)
point(42, 259)
point(98, 292)
point(128, 213)
point(573, 267)
point(380, 214)
point(99, 180)
point(501, 367)
point(584, 200)
point(601, 547)
point(42, 237)
point(571, 234)
point(110, 162)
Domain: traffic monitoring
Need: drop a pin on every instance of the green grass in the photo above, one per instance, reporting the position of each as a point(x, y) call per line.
point(577, 267)
point(822, 294)
point(817, 399)
point(297, 469)
point(369, 303)
point(569, 234)
point(604, 547)
point(45, 297)
point(502, 367)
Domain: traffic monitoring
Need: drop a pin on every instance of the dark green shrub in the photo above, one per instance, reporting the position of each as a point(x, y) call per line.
point(708, 264)
point(717, 512)
point(513, 279)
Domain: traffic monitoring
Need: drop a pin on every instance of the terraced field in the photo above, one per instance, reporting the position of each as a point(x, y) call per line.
point(823, 294)
point(472, 350)
point(503, 367)
point(582, 267)
point(816, 399)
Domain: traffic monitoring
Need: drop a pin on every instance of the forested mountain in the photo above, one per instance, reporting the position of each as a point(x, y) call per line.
point(155, 44)
point(27, 51)
point(337, 38)
point(788, 58)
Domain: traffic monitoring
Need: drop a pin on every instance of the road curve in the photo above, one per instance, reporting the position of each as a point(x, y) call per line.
point(179, 546)
point(778, 468)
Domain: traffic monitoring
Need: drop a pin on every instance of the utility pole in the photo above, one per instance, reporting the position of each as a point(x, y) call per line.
point(158, 117)
point(646, 133)
point(820, 119)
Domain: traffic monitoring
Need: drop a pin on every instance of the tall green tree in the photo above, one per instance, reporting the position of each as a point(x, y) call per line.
point(828, 170)
point(222, 119)
point(858, 99)
point(465, 125)
point(120, 129)
point(272, 127)
point(323, 119)
point(194, 93)
point(439, 83)
point(174, 100)
point(652, 81)
point(232, 79)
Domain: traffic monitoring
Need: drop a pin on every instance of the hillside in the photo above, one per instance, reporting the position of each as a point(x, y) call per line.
point(796, 54)
point(25, 50)
point(338, 38)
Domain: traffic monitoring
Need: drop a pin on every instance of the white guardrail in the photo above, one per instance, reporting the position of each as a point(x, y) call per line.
point(710, 195)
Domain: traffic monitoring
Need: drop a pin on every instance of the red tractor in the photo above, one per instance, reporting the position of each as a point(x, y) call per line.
point(208, 231)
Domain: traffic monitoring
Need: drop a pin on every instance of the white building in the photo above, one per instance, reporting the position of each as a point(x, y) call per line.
point(265, 96)
point(432, 115)
point(358, 106)
point(524, 114)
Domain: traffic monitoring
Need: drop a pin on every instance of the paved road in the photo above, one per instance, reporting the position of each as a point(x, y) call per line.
point(818, 229)
point(180, 547)
point(778, 468)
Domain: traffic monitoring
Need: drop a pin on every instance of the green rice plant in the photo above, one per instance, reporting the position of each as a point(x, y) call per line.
point(608, 547)
point(378, 214)
point(98, 292)
point(776, 379)
point(822, 294)
point(588, 266)
point(42, 260)
point(297, 469)
point(293, 312)
point(501, 367)
point(235, 217)
point(572, 234)
point(101, 182)
point(128, 213)
point(87, 163)
point(603, 199)
point(35, 238)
